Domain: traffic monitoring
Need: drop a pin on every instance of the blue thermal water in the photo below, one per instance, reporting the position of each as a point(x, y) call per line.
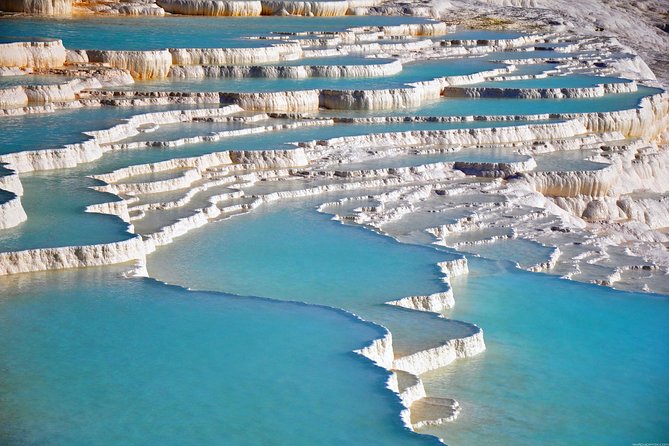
point(525, 253)
point(572, 160)
point(89, 358)
point(566, 363)
point(300, 254)
point(171, 132)
point(152, 176)
point(53, 130)
point(564, 341)
point(12, 39)
point(57, 218)
point(532, 69)
point(134, 33)
point(12, 81)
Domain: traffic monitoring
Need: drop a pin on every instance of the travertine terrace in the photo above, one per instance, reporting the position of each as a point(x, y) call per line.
point(601, 220)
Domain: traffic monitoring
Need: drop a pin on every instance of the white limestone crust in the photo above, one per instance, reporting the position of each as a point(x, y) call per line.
point(32, 54)
point(434, 303)
point(141, 64)
point(235, 56)
point(11, 212)
point(71, 257)
point(541, 93)
point(437, 357)
point(287, 72)
point(38, 7)
point(235, 8)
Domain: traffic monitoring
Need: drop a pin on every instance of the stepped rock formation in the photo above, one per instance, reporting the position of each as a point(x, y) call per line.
point(236, 8)
point(71, 257)
point(635, 24)
point(39, 7)
point(140, 64)
point(13, 97)
point(287, 72)
point(327, 8)
point(234, 56)
point(539, 93)
point(577, 218)
point(32, 54)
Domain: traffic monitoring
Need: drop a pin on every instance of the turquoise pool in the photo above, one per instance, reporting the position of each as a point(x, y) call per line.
point(149, 33)
point(550, 341)
point(137, 362)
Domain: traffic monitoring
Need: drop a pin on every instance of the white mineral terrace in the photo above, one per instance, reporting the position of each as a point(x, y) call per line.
point(191, 7)
point(603, 220)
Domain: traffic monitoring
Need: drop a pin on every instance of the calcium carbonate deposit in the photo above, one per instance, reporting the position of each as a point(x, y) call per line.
point(334, 222)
